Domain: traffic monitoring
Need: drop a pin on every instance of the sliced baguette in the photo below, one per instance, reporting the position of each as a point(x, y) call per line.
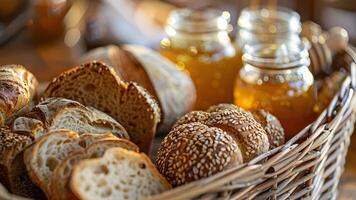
point(59, 113)
point(42, 158)
point(5, 195)
point(60, 178)
point(95, 84)
point(120, 174)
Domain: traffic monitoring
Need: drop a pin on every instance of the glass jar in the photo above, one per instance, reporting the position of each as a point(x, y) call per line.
point(198, 42)
point(275, 77)
point(260, 25)
point(48, 19)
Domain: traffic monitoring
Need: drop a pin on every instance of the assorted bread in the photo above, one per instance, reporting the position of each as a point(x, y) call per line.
point(204, 143)
point(18, 88)
point(97, 85)
point(89, 135)
point(173, 89)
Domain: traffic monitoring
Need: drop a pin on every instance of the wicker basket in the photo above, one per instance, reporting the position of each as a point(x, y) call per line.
point(308, 166)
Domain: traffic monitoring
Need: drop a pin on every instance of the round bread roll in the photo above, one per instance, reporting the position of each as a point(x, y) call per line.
point(247, 132)
point(194, 116)
point(193, 151)
point(188, 153)
point(272, 126)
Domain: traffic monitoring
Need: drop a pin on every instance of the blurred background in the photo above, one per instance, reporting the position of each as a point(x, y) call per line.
point(49, 36)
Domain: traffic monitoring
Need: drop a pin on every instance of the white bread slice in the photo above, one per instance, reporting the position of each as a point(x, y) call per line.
point(42, 158)
point(97, 85)
point(61, 175)
point(120, 174)
point(59, 113)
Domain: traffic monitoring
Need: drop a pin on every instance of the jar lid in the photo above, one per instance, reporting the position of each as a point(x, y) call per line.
point(267, 21)
point(194, 21)
point(276, 55)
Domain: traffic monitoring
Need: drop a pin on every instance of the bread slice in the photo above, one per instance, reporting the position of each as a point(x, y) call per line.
point(42, 158)
point(173, 88)
point(60, 178)
point(18, 87)
point(60, 113)
point(120, 174)
point(13, 172)
point(95, 84)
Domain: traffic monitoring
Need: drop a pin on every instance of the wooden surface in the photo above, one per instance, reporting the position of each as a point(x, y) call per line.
point(46, 61)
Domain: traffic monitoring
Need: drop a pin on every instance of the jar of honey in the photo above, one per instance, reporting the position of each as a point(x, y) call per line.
point(198, 42)
point(275, 77)
point(266, 24)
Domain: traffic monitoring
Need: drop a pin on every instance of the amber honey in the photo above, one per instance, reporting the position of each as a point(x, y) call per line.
point(279, 82)
point(199, 44)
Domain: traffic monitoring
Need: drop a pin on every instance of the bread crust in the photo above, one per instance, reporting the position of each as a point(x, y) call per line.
point(18, 88)
point(46, 116)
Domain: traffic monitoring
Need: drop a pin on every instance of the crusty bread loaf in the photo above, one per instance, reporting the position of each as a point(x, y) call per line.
point(59, 113)
point(42, 158)
point(173, 88)
point(61, 175)
point(18, 87)
point(95, 84)
point(13, 172)
point(120, 174)
point(204, 143)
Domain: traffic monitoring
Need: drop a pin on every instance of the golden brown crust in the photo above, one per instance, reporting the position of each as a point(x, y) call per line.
point(193, 151)
point(18, 87)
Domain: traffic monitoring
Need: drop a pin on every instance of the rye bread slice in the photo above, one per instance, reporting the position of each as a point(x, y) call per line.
point(60, 113)
point(97, 85)
point(120, 174)
point(61, 175)
point(42, 158)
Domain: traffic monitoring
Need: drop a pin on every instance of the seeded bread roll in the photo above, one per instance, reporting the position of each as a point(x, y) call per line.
point(247, 132)
point(272, 126)
point(270, 123)
point(193, 148)
point(17, 89)
point(194, 151)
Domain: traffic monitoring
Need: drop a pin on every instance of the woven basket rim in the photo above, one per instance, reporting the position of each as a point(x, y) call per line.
point(250, 173)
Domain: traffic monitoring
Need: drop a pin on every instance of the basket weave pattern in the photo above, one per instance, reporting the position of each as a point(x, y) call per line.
point(308, 166)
